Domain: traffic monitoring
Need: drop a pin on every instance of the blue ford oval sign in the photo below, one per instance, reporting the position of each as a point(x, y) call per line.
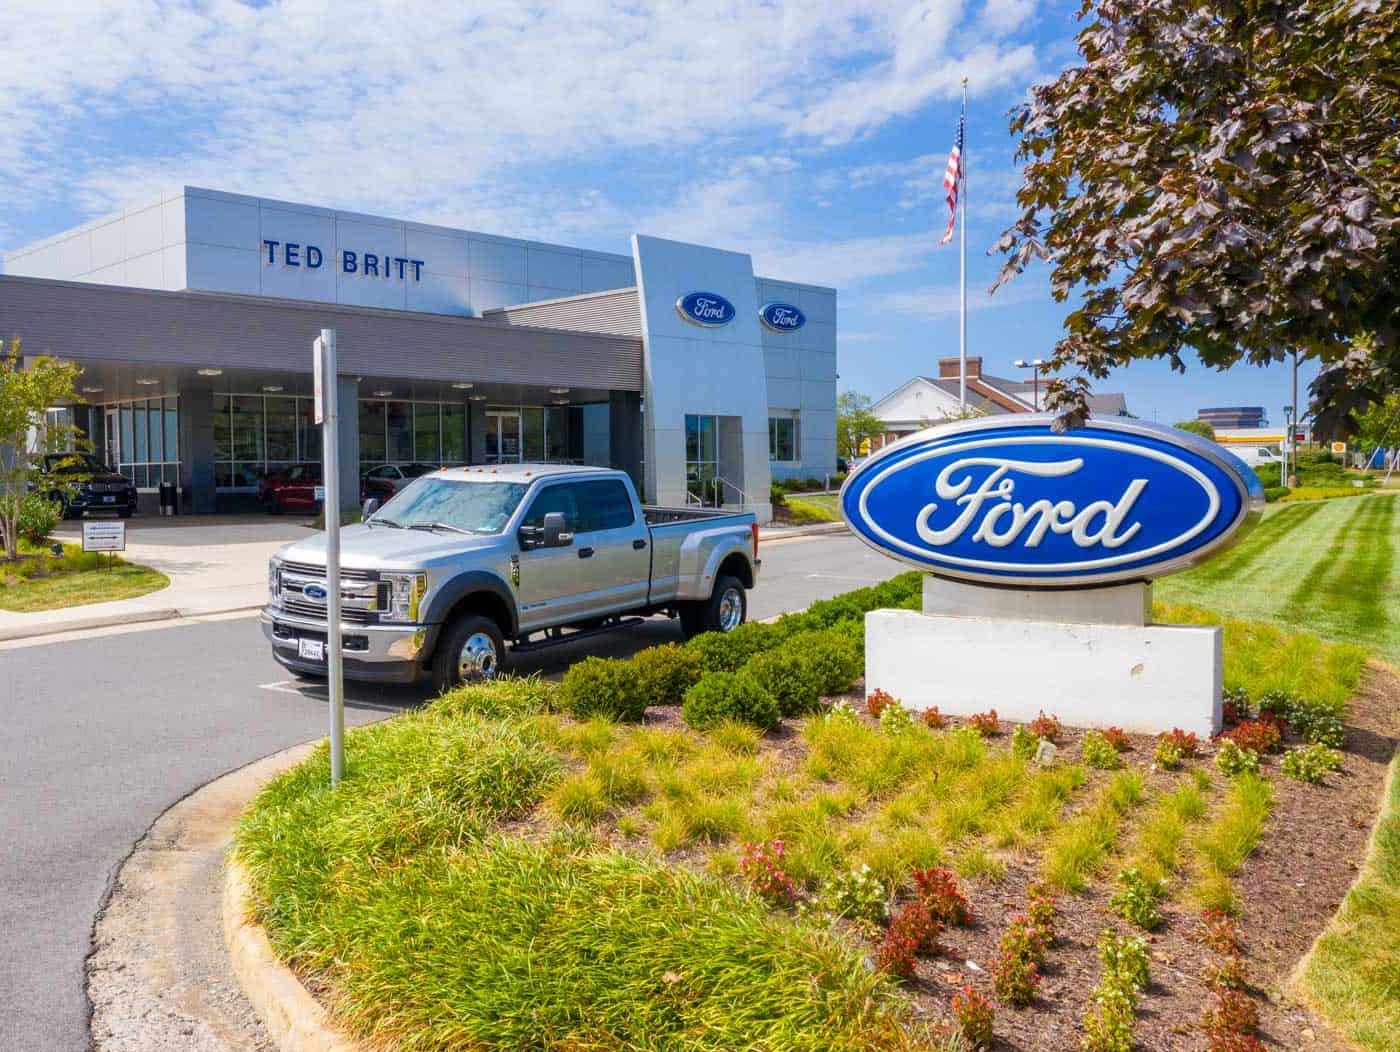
point(782, 317)
point(316, 592)
point(1014, 503)
point(709, 309)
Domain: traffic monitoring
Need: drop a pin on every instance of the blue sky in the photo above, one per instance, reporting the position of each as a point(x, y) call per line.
point(811, 134)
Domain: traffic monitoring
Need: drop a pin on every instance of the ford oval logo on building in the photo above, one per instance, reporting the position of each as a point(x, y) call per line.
point(705, 308)
point(315, 592)
point(782, 317)
point(1014, 503)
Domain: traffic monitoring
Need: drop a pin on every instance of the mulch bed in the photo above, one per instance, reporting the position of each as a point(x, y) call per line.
point(1309, 855)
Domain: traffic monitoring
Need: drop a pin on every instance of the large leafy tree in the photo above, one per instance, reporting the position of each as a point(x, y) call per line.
point(854, 423)
point(1223, 177)
point(27, 389)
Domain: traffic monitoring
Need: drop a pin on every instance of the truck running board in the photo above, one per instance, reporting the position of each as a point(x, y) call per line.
point(555, 636)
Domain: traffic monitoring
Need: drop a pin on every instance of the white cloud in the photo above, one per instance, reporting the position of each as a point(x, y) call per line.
point(461, 113)
point(1007, 15)
point(941, 301)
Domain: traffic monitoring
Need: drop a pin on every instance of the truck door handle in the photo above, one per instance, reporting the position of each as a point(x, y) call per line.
point(585, 553)
point(639, 544)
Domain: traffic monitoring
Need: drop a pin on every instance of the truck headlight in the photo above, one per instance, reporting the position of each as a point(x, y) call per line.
point(274, 581)
point(405, 592)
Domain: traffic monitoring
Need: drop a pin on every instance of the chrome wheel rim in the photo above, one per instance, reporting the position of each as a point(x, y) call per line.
point(731, 610)
point(478, 657)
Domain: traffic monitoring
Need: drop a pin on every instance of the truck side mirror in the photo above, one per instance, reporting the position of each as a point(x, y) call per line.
point(556, 530)
point(369, 508)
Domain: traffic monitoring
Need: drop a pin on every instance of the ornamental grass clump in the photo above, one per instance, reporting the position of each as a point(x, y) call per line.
point(1023, 743)
point(720, 696)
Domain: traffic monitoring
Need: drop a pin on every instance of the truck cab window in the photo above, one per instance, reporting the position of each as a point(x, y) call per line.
point(604, 505)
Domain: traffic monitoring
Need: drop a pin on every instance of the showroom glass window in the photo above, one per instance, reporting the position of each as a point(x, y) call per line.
point(782, 436)
point(147, 446)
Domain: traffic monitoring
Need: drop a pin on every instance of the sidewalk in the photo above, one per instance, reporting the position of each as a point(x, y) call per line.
point(216, 564)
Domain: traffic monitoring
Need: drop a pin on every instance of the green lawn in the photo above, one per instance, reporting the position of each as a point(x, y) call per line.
point(41, 582)
point(815, 507)
point(1326, 567)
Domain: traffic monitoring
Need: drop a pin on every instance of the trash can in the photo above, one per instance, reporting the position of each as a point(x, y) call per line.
point(167, 498)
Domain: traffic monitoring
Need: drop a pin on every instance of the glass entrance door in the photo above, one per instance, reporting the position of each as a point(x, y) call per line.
point(112, 436)
point(702, 460)
point(503, 445)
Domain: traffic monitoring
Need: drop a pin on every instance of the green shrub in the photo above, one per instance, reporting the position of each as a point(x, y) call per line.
point(1136, 899)
point(835, 661)
point(790, 677)
point(1167, 755)
point(1108, 1024)
point(666, 672)
point(895, 719)
point(1311, 763)
point(855, 894)
point(1124, 959)
point(37, 517)
point(1023, 743)
point(1275, 493)
point(1099, 752)
point(730, 651)
point(1232, 760)
point(721, 696)
point(603, 687)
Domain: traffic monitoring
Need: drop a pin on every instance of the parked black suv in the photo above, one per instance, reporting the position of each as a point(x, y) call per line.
point(82, 483)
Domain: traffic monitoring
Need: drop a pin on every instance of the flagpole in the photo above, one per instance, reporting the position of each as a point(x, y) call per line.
point(962, 268)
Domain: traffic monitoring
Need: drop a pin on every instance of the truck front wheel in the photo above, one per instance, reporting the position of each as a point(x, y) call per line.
point(725, 610)
point(471, 648)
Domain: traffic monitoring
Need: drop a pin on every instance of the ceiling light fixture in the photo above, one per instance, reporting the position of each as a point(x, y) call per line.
point(210, 372)
point(147, 381)
point(478, 398)
point(561, 401)
point(92, 390)
point(463, 386)
point(385, 393)
point(558, 390)
point(272, 388)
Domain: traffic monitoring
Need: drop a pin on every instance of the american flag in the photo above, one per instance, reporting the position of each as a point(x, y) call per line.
point(952, 176)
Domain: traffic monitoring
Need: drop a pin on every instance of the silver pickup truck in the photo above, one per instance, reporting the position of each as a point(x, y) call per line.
point(463, 561)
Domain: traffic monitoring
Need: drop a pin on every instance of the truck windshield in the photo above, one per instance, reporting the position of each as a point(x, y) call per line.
point(474, 507)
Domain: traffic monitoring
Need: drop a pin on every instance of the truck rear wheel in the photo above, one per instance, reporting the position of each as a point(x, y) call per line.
point(725, 610)
point(471, 648)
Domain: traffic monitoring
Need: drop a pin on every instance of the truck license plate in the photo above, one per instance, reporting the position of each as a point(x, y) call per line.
point(109, 500)
point(311, 649)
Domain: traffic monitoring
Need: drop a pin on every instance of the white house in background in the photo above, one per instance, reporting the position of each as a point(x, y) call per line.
point(925, 400)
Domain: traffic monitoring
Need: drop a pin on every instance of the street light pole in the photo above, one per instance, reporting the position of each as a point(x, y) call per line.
point(1036, 364)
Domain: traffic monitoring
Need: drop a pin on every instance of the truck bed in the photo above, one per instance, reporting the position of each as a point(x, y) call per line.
point(656, 516)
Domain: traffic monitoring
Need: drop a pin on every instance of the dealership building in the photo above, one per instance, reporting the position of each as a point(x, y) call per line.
point(193, 318)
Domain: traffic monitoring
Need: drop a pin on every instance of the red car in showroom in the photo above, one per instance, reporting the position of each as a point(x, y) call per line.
point(294, 487)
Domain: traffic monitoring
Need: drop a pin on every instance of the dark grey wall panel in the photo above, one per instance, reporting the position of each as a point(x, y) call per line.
point(86, 322)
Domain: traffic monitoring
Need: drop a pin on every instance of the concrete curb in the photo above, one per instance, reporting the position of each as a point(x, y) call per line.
point(292, 1016)
point(820, 529)
point(133, 617)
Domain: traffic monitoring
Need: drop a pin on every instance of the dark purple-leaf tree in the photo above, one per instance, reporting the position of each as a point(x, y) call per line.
point(1224, 179)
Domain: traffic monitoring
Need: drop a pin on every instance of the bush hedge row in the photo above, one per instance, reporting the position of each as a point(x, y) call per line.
point(755, 674)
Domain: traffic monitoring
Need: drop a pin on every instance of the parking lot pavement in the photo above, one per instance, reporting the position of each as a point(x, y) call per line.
point(102, 733)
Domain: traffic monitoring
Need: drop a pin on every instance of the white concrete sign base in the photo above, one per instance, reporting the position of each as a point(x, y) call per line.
point(1143, 678)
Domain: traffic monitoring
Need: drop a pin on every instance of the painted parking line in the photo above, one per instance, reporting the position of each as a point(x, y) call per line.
point(291, 686)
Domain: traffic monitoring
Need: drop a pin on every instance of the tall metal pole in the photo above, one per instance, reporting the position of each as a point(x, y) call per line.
point(962, 268)
point(1297, 415)
point(330, 473)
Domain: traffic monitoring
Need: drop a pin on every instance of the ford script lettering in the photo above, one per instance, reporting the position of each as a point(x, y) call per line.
point(315, 592)
point(705, 308)
point(1015, 503)
point(782, 317)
